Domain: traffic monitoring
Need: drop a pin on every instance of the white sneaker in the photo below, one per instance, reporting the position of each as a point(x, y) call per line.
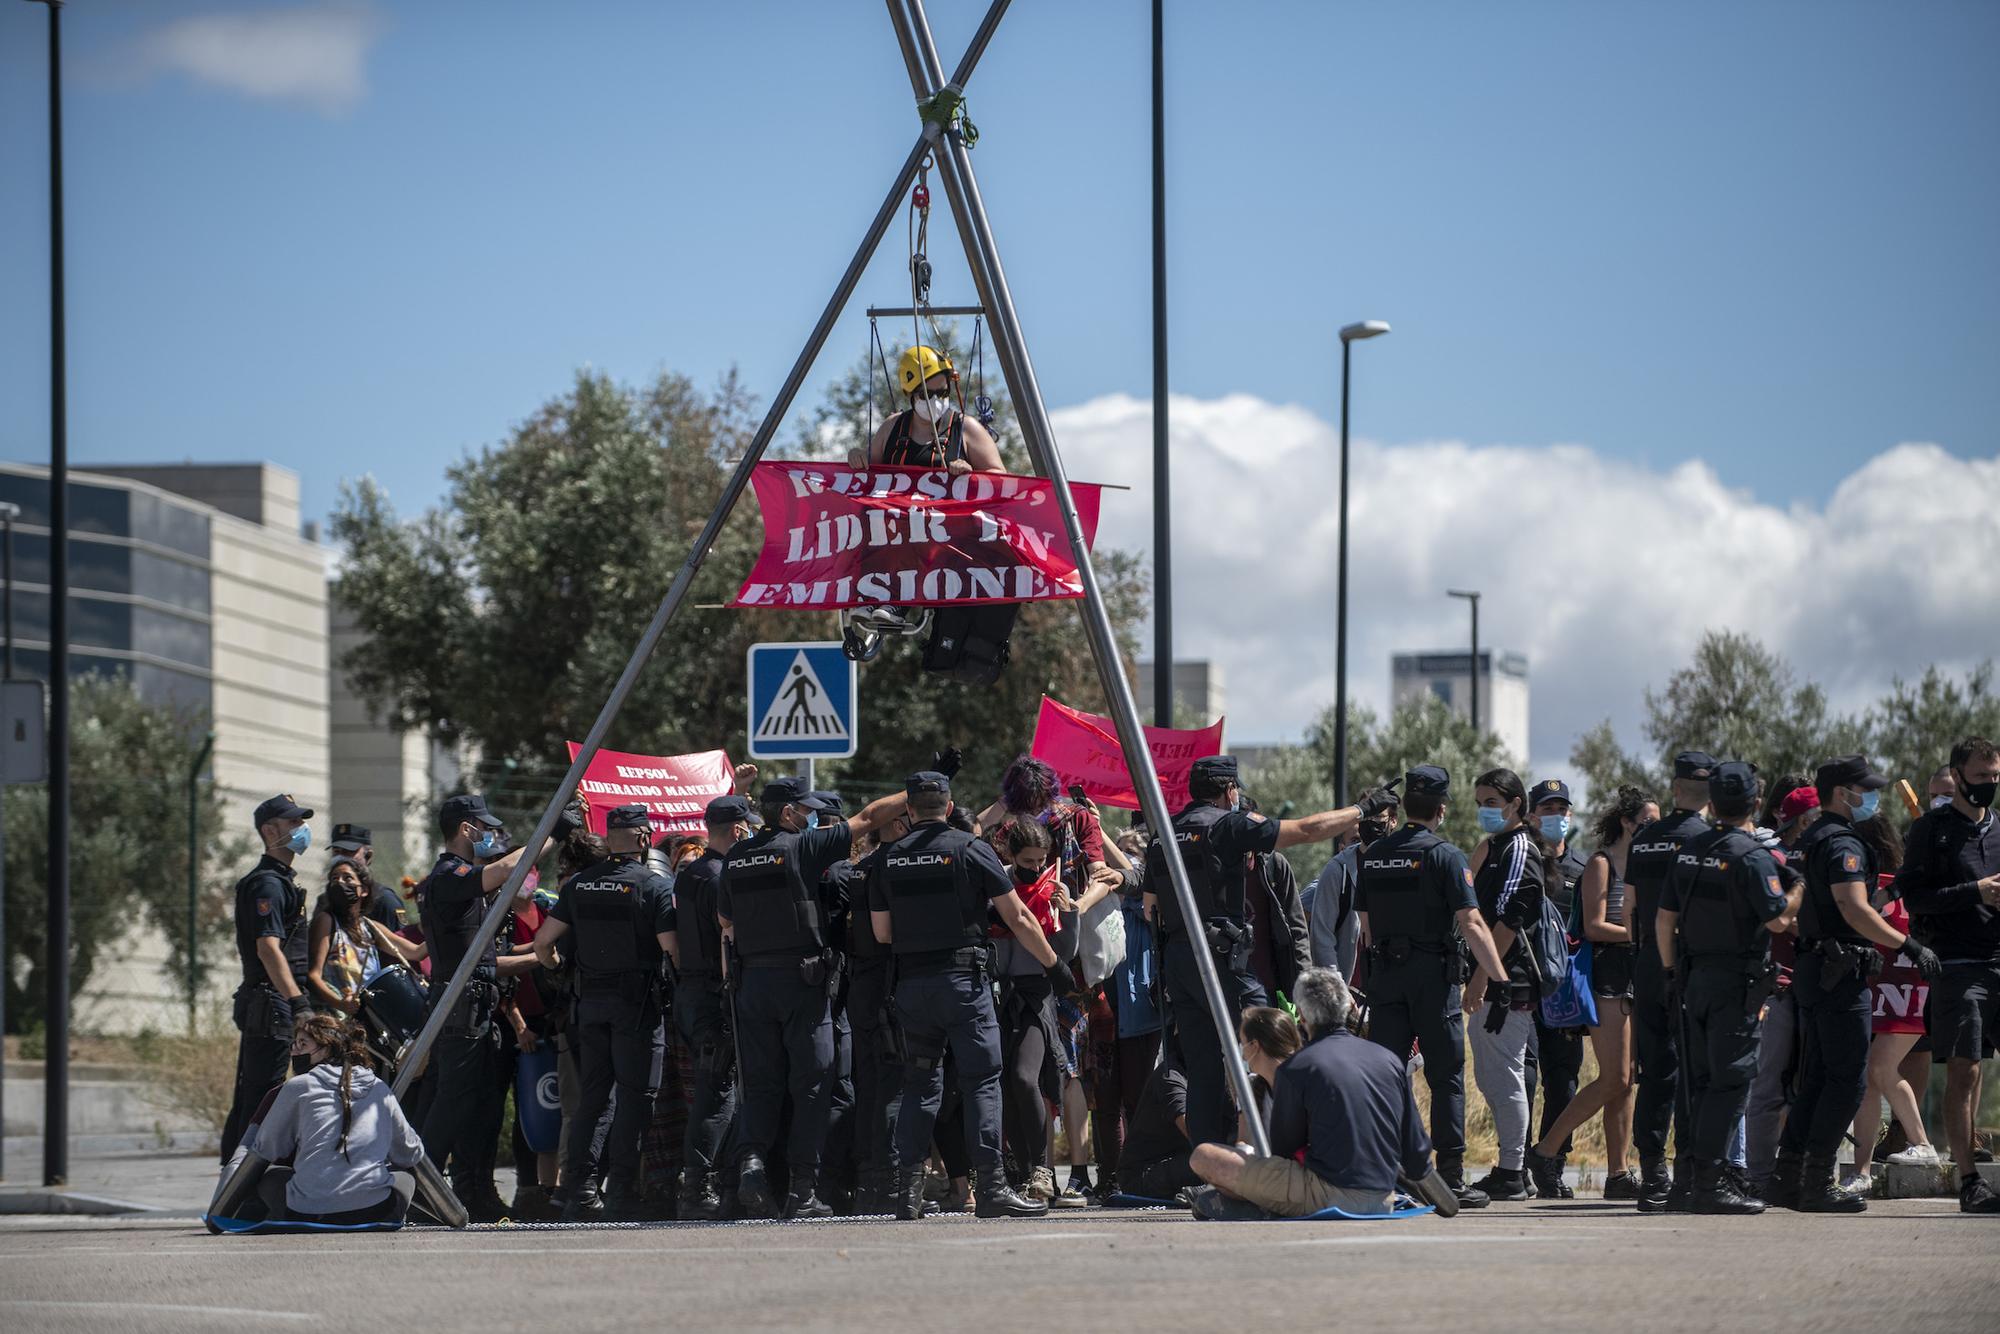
point(1857, 1183)
point(1917, 1155)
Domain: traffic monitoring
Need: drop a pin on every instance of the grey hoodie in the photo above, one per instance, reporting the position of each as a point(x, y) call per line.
point(304, 1125)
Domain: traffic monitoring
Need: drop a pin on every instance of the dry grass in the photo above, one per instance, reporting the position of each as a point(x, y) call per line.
point(1480, 1144)
point(193, 1075)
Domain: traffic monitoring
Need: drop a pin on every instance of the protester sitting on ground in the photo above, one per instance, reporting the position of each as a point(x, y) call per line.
point(346, 945)
point(1899, 994)
point(342, 1151)
point(1154, 1165)
point(1344, 1126)
point(932, 432)
point(1268, 1037)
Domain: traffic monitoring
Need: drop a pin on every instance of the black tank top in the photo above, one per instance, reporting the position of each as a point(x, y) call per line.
point(1614, 893)
point(903, 452)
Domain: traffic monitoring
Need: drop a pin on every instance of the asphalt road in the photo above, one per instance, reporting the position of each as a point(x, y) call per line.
point(1905, 1265)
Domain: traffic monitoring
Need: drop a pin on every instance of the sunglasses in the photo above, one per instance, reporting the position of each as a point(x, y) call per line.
point(943, 394)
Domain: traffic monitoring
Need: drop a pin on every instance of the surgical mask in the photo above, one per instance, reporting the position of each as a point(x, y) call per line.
point(299, 840)
point(1492, 819)
point(933, 410)
point(1865, 809)
point(812, 819)
point(1979, 794)
point(1938, 801)
point(1555, 828)
point(486, 845)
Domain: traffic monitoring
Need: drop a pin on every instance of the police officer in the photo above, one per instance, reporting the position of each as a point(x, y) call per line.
point(930, 903)
point(1555, 1055)
point(271, 943)
point(1650, 864)
point(769, 909)
point(878, 1058)
point(1726, 898)
point(837, 890)
point(1215, 841)
point(1837, 928)
point(701, 1008)
point(466, 1101)
point(1418, 911)
point(620, 911)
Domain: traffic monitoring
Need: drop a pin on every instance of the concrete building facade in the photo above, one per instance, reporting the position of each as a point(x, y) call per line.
point(1501, 680)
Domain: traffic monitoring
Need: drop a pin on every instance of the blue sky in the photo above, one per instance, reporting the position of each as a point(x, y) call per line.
point(368, 237)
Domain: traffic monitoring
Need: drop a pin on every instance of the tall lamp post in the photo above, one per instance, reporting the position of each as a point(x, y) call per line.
point(1472, 598)
point(1349, 336)
point(1163, 568)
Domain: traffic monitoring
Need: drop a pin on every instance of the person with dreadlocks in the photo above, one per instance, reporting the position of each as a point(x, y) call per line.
point(342, 1151)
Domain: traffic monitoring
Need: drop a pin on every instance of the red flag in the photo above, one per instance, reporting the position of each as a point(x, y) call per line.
point(675, 788)
point(1083, 748)
point(910, 537)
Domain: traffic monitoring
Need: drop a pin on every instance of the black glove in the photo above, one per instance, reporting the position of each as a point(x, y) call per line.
point(1925, 960)
point(287, 1008)
point(1675, 980)
point(1499, 1003)
point(1378, 799)
point(1063, 980)
point(947, 761)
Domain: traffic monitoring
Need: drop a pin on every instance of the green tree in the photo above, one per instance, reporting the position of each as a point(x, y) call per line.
point(1913, 728)
point(129, 762)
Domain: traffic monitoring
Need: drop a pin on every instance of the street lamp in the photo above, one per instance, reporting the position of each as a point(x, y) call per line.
point(1473, 598)
point(1350, 335)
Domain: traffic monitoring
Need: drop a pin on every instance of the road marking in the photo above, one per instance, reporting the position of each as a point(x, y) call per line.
point(1008, 1238)
point(248, 1312)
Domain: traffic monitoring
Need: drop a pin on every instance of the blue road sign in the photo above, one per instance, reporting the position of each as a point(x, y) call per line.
point(802, 702)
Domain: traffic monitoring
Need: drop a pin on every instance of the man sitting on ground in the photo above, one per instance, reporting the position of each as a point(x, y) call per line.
point(1344, 1127)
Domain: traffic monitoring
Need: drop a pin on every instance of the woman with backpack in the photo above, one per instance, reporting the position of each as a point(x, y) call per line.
point(1514, 865)
point(1601, 916)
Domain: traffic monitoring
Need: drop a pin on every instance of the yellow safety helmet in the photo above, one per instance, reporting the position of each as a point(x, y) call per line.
point(919, 364)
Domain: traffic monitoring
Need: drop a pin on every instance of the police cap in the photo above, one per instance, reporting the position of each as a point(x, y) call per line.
point(1849, 771)
point(1733, 780)
point(1694, 764)
point(1427, 780)
point(1220, 770)
point(632, 816)
point(786, 791)
point(732, 810)
point(925, 782)
point(352, 837)
point(826, 803)
point(1549, 789)
point(458, 810)
point(280, 807)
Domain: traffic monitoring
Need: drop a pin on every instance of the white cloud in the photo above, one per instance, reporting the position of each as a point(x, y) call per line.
point(1603, 573)
point(312, 54)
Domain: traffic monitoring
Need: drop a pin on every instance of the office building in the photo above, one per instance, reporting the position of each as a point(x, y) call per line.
point(1502, 682)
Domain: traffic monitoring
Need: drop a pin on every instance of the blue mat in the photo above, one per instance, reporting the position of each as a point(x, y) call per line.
point(242, 1225)
point(1124, 1201)
point(1405, 1208)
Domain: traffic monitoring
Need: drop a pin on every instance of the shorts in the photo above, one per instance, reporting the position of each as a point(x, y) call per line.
point(1290, 1189)
point(1965, 1011)
point(1611, 971)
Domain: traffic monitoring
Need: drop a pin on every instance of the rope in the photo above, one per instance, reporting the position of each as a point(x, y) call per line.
point(946, 110)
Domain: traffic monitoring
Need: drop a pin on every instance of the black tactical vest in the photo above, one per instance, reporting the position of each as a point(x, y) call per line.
point(1655, 849)
point(1826, 853)
point(1718, 919)
point(1194, 837)
point(612, 921)
point(774, 910)
point(930, 904)
point(694, 916)
point(1404, 900)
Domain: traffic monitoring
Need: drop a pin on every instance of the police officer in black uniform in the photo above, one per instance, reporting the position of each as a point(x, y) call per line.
point(1726, 898)
point(1838, 929)
point(1414, 895)
point(271, 943)
point(701, 1008)
point(620, 912)
point(467, 1100)
point(1656, 850)
point(838, 889)
point(930, 903)
point(1555, 1055)
point(1216, 840)
point(769, 908)
point(878, 1051)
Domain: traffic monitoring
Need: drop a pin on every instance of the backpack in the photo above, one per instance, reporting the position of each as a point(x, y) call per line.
point(1547, 940)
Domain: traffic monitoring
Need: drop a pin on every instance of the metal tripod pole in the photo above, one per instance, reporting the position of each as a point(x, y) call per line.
point(983, 255)
point(731, 493)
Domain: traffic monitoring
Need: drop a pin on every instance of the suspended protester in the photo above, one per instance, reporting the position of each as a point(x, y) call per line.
point(931, 432)
point(466, 1101)
point(1951, 881)
point(1215, 841)
point(701, 1008)
point(1419, 915)
point(1726, 898)
point(1837, 926)
point(1555, 1055)
point(931, 903)
point(768, 906)
point(619, 915)
point(271, 945)
point(1516, 865)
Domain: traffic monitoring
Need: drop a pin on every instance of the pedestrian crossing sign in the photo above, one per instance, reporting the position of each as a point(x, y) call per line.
point(802, 702)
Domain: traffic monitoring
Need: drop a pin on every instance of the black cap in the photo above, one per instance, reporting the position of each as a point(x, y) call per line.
point(457, 810)
point(1733, 779)
point(1694, 764)
point(1849, 771)
point(786, 790)
point(280, 807)
point(630, 816)
point(729, 810)
point(1428, 780)
point(1218, 769)
point(349, 837)
point(826, 803)
point(1549, 789)
point(926, 781)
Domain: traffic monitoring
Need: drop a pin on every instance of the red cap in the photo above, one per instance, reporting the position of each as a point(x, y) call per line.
point(1797, 802)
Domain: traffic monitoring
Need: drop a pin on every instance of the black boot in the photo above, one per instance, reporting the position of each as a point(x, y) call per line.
point(997, 1199)
point(583, 1205)
point(803, 1201)
point(1621, 1186)
point(699, 1201)
point(1453, 1172)
point(1781, 1188)
point(753, 1189)
point(1680, 1196)
point(1503, 1184)
point(1546, 1173)
point(1715, 1192)
point(910, 1202)
point(1819, 1195)
point(1654, 1185)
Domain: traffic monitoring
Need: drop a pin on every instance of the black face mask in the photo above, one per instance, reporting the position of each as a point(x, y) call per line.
point(342, 897)
point(302, 1062)
point(1023, 876)
point(1371, 830)
point(1979, 794)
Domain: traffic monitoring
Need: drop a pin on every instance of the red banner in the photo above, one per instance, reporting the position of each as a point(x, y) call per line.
point(910, 537)
point(1083, 748)
point(675, 788)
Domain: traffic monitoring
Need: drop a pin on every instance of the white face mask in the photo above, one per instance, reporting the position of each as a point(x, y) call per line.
point(933, 410)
